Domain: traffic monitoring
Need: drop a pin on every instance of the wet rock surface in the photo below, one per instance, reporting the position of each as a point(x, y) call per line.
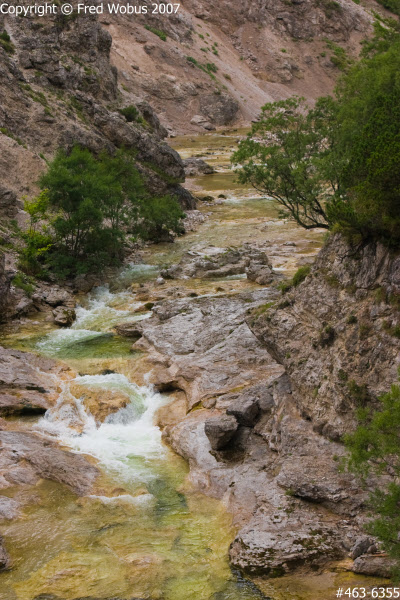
point(25, 384)
point(248, 440)
point(26, 458)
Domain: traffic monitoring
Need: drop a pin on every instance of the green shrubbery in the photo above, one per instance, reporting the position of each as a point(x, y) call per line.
point(130, 113)
point(338, 164)
point(161, 34)
point(375, 446)
point(88, 204)
point(6, 43)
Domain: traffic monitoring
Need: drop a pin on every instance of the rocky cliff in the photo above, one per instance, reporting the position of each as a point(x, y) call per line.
point(338, 333)
point(260, 51)
point(60, 89)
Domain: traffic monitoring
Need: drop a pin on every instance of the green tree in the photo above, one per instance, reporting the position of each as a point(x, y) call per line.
point(157, 218)
point(375, 447)
point(92, 199)
point(88, 204)
point(337, 164)
point(282, 158)
point(38, 241)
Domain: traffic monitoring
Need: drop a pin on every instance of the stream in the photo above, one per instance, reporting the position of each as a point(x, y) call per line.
point(144, 533)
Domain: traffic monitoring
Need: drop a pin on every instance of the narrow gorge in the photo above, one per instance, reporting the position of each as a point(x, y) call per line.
point(172, 427)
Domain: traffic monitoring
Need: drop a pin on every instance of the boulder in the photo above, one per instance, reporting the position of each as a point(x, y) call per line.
point(245, 410)
point(361, 546)
point(63, 316)
point(220, 430)
point(40, 458)
point(197, 166)
point(377, 566)
point(9, 508)
point(56, 296)
point(22, 402)
point(274, 544)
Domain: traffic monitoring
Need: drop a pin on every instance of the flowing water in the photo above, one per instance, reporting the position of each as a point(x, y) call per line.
point(143, 533)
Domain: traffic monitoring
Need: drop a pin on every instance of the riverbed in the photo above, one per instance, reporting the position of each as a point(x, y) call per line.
point(144, 532)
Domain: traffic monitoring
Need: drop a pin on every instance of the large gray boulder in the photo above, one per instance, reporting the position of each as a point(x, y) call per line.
point(220, 430)
point(245, 410)
point(197, 166)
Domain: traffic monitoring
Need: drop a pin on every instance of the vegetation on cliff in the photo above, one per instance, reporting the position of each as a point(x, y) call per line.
point(336, 165)
point(375, 446)
point(87, 206)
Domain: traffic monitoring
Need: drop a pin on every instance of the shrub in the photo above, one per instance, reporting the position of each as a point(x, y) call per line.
point(6, 43)
point(375, 446)
point(300, 275)
point(22, 282)
point(130, 113)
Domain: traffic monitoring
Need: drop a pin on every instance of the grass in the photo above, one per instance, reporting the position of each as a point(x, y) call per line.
point(209, 68)
point(8, 133)
point(158, 32)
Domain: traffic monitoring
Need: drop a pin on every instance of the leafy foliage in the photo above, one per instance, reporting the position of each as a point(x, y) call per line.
point(79, 221)
point(337, 164)
point(130, 113)
point(6, 43)
point(375, 446)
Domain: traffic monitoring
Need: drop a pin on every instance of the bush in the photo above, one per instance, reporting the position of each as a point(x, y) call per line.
point(130, 113)
point(300, 275)
point(6, 43)
point(88, 203)
point(375, 446)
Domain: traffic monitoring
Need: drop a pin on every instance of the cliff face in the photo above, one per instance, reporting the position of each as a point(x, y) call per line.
point(61, 89)
point(262, 51)
point(337, 334)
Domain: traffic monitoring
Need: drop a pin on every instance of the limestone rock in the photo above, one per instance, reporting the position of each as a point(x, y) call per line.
point(197, 166)
point(377, 566)
point(245, 410)
point(64, 316)
point(44, 460)
point(220, 430)
point(17, 402)
point(4, 558)
point(273, 545)
point(9, 508)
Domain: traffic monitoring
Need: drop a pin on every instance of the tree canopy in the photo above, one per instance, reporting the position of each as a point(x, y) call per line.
point(338, 163)
point(87, 206)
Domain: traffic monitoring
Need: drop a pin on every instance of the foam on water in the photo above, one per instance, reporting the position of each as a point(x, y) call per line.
point(126, 443)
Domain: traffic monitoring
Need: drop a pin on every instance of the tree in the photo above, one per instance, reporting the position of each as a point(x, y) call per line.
point(375, 446)
point(37, 239)
point(338, 164)
point(282, 157)
point(88, 204)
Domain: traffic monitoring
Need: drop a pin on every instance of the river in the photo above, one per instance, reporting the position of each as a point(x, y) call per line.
point(144, 533)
